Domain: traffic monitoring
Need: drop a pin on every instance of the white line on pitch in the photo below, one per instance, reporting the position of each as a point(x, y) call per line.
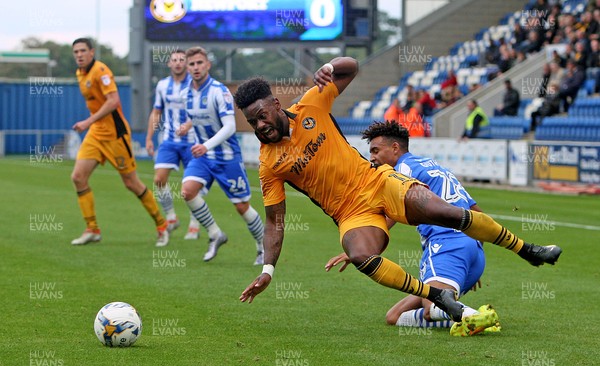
point(567, 224)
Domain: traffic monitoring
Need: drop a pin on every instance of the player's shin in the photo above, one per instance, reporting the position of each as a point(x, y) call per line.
point(151, 207)
point(166, 201)
point(201, 212)
point(255, 226)
point(85, 199)
point(390, 274)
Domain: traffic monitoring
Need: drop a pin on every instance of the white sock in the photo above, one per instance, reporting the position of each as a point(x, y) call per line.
point(201, 212)
point(193, 222)
point(414, 318)
point(166, 201)
point(255, 226)
point(436, 313)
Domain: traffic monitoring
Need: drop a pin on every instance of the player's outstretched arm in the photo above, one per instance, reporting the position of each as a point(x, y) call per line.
point(273, 240)
point(341, 71)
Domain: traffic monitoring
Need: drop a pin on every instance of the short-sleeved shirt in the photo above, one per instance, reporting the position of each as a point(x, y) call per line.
point(318, 161)
point(169, 100)
point(206, 106)
point(441, 182)
point(95, 82)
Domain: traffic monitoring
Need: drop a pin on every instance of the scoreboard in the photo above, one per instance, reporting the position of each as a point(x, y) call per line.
point(243, 20)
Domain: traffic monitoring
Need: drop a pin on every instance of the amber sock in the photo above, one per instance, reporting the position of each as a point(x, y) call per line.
point(149, 203)
point(390, 274)
point(85, 199)
point(480, 226)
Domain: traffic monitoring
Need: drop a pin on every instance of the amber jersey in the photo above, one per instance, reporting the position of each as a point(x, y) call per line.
point(317, 160)
point(95, 82)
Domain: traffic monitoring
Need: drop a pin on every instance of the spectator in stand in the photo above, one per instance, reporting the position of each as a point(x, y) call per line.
point(505, 61)
point(541, 6)
point(411, 97)
point(558, 59)
point(592, 25)
point(519, 34)
point(581, 55)
point(582, 38)
point(546, 73)
point(549, 107)
point(428, 104)
point(533, 43)
point(492, 54)
point(570, 84)
point(593, 58)
point(569, 39)
point(510, 101)
point(556, 73)
point(550, 28)
point(585, 21)
point(394, 112)
point(596, 34)
point(448, 87)
point(476, 120)
point(593, 5)
point(415, 123)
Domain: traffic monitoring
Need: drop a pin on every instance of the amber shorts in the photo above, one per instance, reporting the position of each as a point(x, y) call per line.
point(388, 201)
point(118, 152)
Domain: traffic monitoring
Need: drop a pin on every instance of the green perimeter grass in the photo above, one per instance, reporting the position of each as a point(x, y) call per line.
point(191, 312)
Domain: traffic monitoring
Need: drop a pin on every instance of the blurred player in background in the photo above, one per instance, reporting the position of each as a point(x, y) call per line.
point(450, 258)
point(304, 147)
point(174, 149)
point(108, 138)
point(217, 154)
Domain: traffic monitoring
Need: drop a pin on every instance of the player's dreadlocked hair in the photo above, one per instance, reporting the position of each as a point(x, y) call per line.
point(250, 91)
point(387, 129)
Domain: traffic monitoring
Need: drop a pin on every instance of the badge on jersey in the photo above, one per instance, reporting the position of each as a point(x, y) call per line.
point(309, 123)
point(105, 79)
point(228, 98)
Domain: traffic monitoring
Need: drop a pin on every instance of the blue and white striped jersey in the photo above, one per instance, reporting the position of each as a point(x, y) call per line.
point(441, 182)
point(168, 99)
point(206, 108)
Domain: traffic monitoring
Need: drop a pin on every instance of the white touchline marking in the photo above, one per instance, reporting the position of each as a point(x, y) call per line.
point(293, 193)
point(558, 223)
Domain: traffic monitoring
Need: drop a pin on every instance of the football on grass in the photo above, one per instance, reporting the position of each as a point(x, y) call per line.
point(118, 324)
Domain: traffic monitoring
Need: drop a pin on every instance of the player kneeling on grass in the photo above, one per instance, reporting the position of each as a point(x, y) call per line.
point(303, 146)
point(450, 258)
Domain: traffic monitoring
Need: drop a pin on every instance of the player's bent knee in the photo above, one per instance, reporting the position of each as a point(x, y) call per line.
point(242, 207)
point(391, 318)
point(188, 194)
point(357, 258)
point(79, 179)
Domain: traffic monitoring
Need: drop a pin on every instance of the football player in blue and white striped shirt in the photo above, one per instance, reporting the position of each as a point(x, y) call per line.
point(167, 115)
point(217, 154)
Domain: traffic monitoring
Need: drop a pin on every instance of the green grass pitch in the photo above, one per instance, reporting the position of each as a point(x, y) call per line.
point(191, 314)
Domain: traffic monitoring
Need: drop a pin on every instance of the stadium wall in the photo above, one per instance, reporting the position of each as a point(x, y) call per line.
point(39, 112)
